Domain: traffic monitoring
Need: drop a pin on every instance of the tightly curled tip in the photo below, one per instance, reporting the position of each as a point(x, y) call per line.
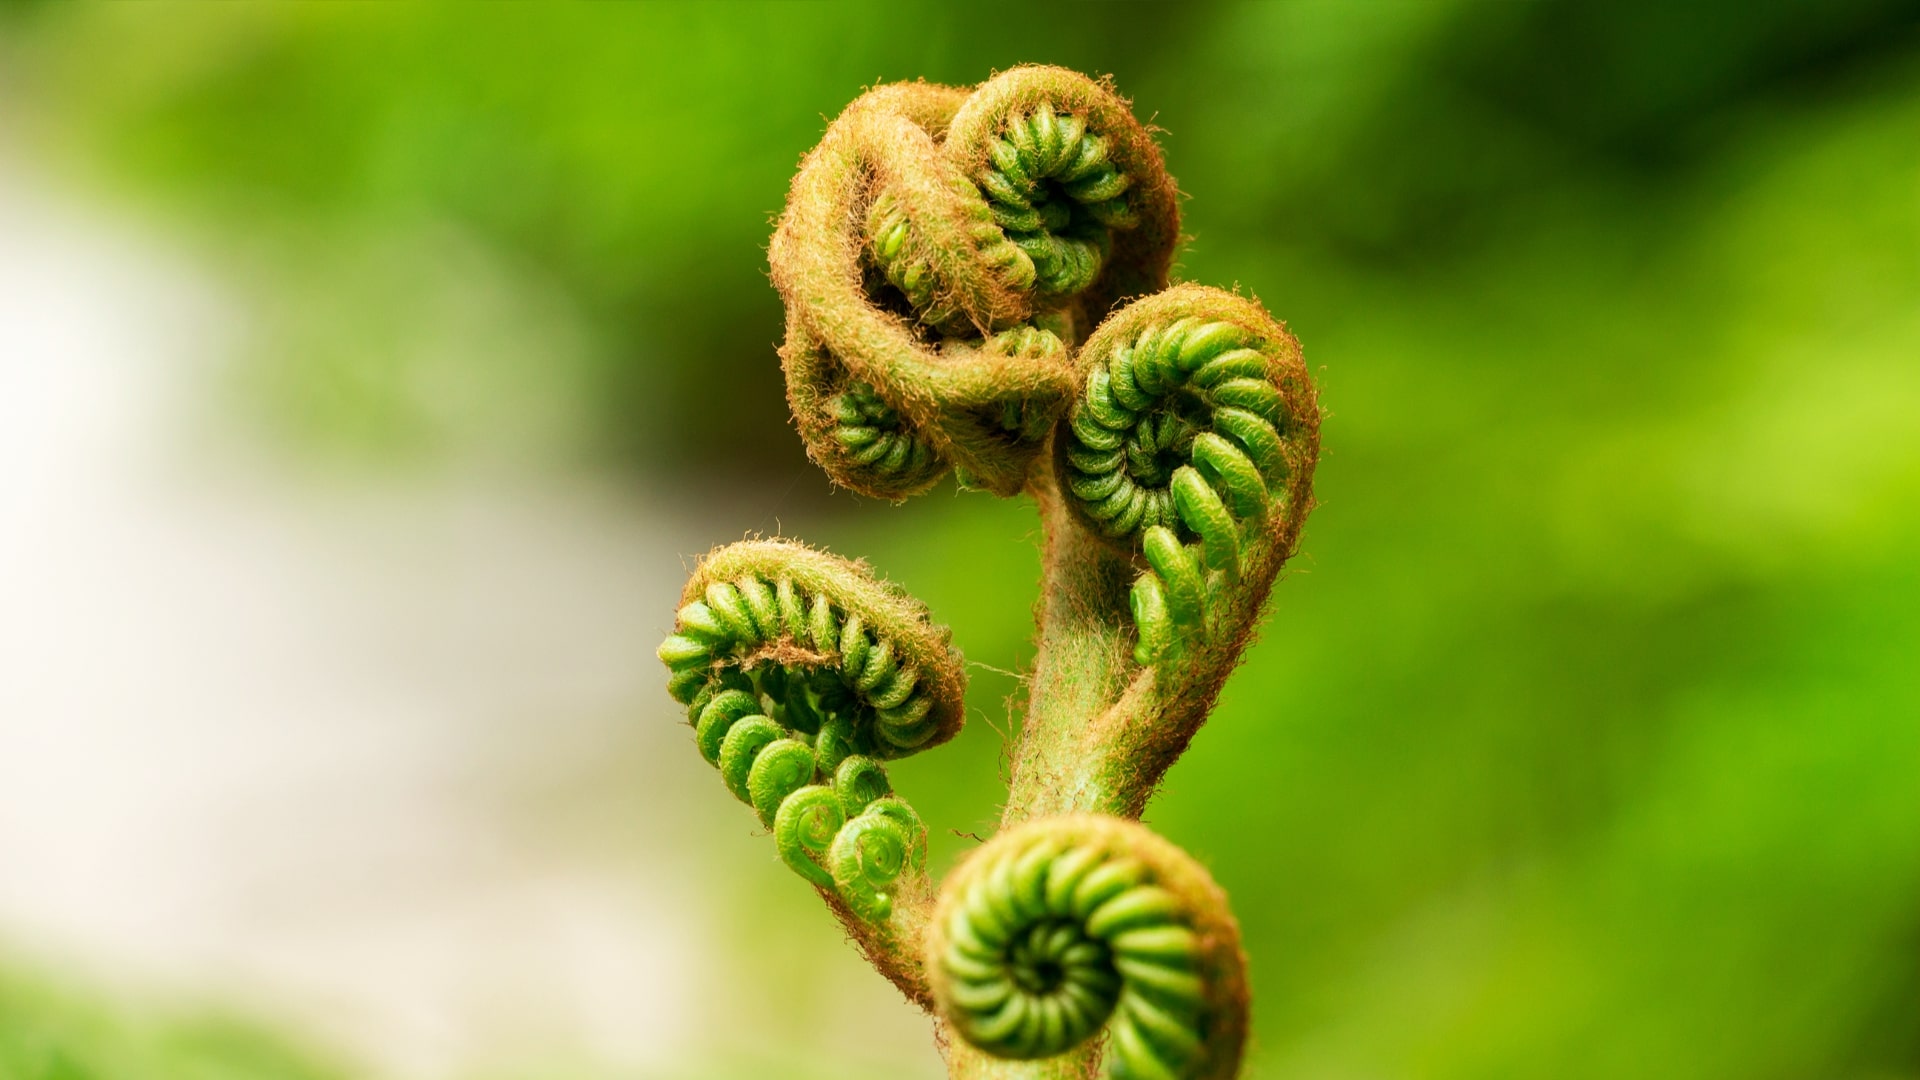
point(873, 852)
point(1065, 926)
point(820, 644)
point(1191, 440)
point(801, 673)
point(928, 220)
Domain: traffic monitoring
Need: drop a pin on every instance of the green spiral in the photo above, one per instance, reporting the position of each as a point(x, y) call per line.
point(1042, 210)
point(1191, 442)
point(800, 672)
point(930, 224)
point(876, 438)
point(1065, 926)
point(1056, 191)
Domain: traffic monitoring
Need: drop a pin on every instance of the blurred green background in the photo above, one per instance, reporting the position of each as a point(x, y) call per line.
point(1584, 737)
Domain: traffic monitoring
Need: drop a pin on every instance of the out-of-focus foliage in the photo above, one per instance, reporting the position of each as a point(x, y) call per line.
point(48, 1033)
point(1585, 740)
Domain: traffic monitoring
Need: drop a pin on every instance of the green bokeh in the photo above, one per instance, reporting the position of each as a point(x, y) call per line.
point(46, 1033)
point(1584, 738)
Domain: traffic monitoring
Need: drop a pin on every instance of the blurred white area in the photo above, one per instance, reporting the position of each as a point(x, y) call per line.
point(392, 762)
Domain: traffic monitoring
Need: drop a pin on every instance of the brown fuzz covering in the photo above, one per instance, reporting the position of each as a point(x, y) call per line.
point(885, 400)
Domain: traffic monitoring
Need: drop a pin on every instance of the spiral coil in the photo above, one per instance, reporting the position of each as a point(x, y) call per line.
point(800, 672)
point(1192, 435)
point(1065, 926)
point(929, 220)
point(1058, 194)
point(874, 436)
point(942, 257)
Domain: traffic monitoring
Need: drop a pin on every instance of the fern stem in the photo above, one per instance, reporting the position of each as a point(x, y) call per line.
point(1083, 665)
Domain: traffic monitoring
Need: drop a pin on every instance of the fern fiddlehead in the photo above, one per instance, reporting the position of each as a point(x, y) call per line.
point(1192, 442)
point(1053, 187)
point(943, 257)
point(940, 252)
point(1067, 925)
point(801, 673)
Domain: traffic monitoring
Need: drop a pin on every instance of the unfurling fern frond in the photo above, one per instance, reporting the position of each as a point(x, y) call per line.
point(976, 283)
point(1192, 441)
point(801, 672)
point(929, 221)
point(1067, 926)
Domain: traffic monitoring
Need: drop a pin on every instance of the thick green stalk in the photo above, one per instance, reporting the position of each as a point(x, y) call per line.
point(1083, 665)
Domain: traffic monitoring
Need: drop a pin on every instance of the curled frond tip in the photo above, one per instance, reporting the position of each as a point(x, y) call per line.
point(1068, 926)
point(930, 222)
point(801, 674)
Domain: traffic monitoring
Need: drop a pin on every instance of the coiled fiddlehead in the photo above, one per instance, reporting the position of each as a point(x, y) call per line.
point(942, 256)
point(800, 671)
point(940, 250)
point(1067, 925)
point(1192, 441)
point(1055, 190)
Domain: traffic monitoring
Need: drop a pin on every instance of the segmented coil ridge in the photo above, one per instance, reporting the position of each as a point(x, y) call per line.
point(850, 685)
point(799, 672)
point(880, 443)
point(1049, 935)
point(889, 453)
point(1175, 443)
point(1058, 195)
point(931, 219)
point(1041, 213)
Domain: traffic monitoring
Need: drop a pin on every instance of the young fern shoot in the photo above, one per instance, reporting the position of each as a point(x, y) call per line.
point(976, 282)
